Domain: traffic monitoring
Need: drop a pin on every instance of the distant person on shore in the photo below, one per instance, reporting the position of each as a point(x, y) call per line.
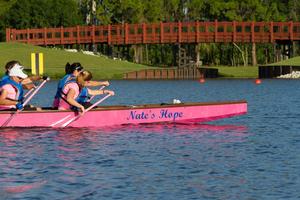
point(72, 90)
point(11, 89)
point(27, 82)
point(72, 71)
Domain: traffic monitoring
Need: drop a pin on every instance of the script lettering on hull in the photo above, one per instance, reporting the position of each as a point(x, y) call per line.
point(149, 114)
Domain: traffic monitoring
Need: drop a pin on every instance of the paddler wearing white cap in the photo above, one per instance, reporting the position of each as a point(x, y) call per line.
point(11, 88)
point(27, 82)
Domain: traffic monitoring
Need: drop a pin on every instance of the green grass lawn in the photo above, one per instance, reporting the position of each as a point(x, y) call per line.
point(56, 59)
point(290, 62)
point(102, 67)
point(237, 72)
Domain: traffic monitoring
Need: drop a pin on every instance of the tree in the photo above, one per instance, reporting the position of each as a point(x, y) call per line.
point(153, 10)
point(67, 13)
point(39, 13)
point(5, 5)
point(105, 11)
point(130, 11)
point(195, 10)
point(173, 10)
point(294, 8)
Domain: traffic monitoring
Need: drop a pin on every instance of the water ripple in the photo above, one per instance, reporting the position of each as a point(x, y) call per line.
point(255, 156)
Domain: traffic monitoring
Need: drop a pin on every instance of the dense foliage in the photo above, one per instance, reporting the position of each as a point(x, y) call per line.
point(22, 14)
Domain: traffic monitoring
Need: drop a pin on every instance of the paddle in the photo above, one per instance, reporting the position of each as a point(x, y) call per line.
point(95, 95)
point(33, 88)
point(88, 109)
point(25, 103)
point(27, 93)
point(35, 91)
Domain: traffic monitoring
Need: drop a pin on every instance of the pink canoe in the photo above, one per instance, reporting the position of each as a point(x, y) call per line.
point(118, 115)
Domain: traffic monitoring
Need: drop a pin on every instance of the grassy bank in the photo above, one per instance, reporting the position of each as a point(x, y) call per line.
point(238, 72)
point(289, 62)
point(101, 67)
point(55, 60)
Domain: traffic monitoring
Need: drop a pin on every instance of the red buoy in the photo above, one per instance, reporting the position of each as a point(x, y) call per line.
point(257, 81)
point(202, 80)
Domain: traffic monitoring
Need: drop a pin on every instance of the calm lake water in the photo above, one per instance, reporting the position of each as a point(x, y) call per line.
point(255, 156)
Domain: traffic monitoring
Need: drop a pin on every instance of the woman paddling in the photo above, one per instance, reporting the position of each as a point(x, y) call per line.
point(27, 82)
point(72, 89)
point(11, 89)
point(72, 71)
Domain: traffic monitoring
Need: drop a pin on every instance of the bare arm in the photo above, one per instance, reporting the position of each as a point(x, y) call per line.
point(99, 92)
point(35, 78)
point(97, 83)
point(71, 100)
point(27, 84)
point(4, 101)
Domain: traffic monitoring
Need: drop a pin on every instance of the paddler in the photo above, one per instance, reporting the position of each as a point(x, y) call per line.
point(73, 88)
point(11, 89)
point(72, 71)
point(27, 82)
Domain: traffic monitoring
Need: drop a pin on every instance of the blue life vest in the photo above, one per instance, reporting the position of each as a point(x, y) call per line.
point(83, 96)
point(4, 77)
point(62, 83)
point(17, 86)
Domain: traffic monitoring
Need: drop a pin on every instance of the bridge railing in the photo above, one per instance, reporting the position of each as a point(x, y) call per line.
point(154, 33)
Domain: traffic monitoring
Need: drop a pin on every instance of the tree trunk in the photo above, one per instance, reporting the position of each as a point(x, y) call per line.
point(147, 55)
point(197, 49)
point(135, 54)
point(141, 58)
point(246, 56)
point(242, 52)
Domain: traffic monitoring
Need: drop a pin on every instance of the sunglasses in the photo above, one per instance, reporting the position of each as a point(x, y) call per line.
point(79, 68)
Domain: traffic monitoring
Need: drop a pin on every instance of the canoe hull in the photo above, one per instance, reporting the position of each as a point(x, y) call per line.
point(117, 115)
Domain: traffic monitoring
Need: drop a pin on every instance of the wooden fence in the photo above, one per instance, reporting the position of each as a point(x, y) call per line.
point(160, 33)
point(177, 73)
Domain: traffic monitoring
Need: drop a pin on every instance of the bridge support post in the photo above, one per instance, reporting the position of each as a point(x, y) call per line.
point(253, 52)
point(135, 56)
point(288, 50)
point(277, 52)
point(94, 47)
point(197, 51)
point(138, 53)
point(296, 48)
point(175, 51)
point(283, 50)
point(181, 54)
point(147, 54)
point(125, 52)
point(110, 50)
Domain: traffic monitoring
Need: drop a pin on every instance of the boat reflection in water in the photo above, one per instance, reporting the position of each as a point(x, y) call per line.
point(10, 137)
point(36, 160)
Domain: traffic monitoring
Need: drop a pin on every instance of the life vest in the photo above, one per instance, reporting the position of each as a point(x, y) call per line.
point(4, 77)
point(18, 87)
point(83, 96)
point(62, 83)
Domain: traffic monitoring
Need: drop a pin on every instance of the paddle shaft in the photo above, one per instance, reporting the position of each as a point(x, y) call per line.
point(95, 104)
point(34, 92)
point(27, 93)
point(95, 95)
point(88, 109)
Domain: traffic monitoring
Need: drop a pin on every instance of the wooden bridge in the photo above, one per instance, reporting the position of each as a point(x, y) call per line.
point(161, 33)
